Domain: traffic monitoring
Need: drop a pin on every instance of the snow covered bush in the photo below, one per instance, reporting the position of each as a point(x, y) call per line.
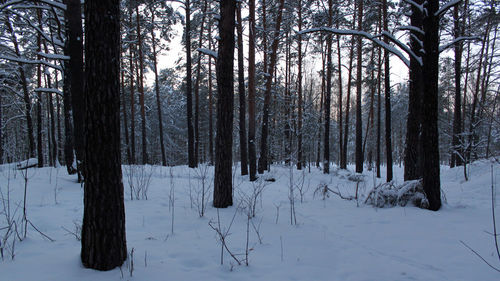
point(390, 195)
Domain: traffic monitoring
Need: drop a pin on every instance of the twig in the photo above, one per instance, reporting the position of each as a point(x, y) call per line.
point(485, 261)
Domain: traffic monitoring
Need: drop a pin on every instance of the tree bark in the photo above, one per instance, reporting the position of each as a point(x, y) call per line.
point(387, 90)
point(157, 90)
point(242, 99)
point(223, 187)
point(299, 91)
point(431, 175)
point(197, 91)
point(132, 160)
point(267, 96)
point(413, 149)
point(189, 91)
point(359, 124)
point(252, 158)
point(103, 230)
point(329, 66)
point(140, 84)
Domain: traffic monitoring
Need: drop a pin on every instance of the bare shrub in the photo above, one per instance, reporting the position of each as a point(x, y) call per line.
point(139, 179)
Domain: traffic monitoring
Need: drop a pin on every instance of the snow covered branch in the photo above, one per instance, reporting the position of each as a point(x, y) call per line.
point(51, 3)
point(456, 40)
point(447, 6)
point(415, 5)
point(27, 61)
point(208, 52)
point(372, 38)
point(49, 90)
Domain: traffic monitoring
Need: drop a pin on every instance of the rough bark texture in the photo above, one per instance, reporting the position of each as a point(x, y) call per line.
point(189, 91)
point(103, 230)
point(223, 187)
point(431, 178)
point(413, 147)
point(241, 93)
point(252, 158)
point(267, 95)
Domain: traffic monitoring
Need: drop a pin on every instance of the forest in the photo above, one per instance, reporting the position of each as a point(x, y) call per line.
point(132, 131)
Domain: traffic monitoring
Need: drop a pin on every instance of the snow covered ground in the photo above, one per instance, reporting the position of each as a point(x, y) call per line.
point(333, 239)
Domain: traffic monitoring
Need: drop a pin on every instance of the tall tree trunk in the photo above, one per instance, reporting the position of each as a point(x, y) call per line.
point(197, 90)
point(75, 98)
point(189, 91)
point(359, 124)
point(157, 90)
point(39, 96)
point(299, 91)
point(329, 66)
point(132, 160)
point(379, 111)
point(267, 96)
point(210, 102)
point(223, 187)
point(456, 155)
point(241, 93)
point(349, 87)
point(431, 174)
point(339, 57)
point(252, 158)
point(140, 84)
point(103, 230)
point(413, 150)
point(387, 90)
point(125, 119)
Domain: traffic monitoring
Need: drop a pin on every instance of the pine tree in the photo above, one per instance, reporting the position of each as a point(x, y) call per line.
point(103, 230)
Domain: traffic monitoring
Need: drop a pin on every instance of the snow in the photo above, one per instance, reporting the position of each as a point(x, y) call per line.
point(209, 52)
point(333, 240)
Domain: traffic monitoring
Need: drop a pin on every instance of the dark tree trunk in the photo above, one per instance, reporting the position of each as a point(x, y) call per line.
point(457, 153)
point(413, 149)
point(359, 120)
point(299, 91)
point(140, 83)
point(157, 91)
point(39, 134)
point(431, 174)
point(75, 96)
point(223, 187)
point(379, 106)
point(263, 161)
point(210, 102)
point(252, 158)
point(329, 66)
point(132, 160)
point(197, 91)
point(387, 90)
point(125, 119)
point(343, 164)
point(341, 146)
point(241, 93)
point(189, 86)
point(103, 230)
